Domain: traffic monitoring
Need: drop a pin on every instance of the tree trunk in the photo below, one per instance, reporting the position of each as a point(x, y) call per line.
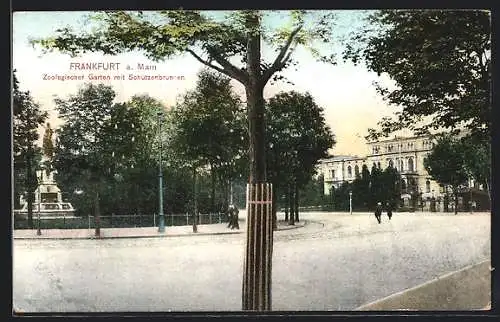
point(97, 213)
point(455, 197)
point(212, 188)
point(255, 106)
point(291, 198)
point(195, 202)
point(487, 184)
point(296, 192)
point(227, 193)
point(274, 210)
point(287, 201)
point(256, 288)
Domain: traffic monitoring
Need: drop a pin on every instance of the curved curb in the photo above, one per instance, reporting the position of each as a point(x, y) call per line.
point(131, 236)
point(463, 289)
point(164, 235)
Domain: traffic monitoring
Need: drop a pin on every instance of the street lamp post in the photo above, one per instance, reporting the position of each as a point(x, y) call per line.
point(350, 202)
point(161, 225)
point(39, 231)
point(470, 192)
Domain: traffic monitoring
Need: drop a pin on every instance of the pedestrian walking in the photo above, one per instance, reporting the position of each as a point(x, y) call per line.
point(378, 212)
point(234, 216)
point(229, 217)
point(389, 209)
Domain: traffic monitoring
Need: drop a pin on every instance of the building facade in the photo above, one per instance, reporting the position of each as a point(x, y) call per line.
point(406, 154)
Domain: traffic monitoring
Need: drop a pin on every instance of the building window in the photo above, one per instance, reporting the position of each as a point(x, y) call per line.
point(349, 171)
point(410, 165)
point(401, 165)
point(391, 163)
point(427, 186)
point(332, 173)
point(379, 166)
point(356, 170)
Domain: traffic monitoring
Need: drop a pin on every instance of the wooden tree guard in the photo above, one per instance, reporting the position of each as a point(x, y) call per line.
point(259, 248)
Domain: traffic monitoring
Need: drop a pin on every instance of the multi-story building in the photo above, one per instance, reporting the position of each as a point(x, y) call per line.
point(406, 154)
point(339, 169)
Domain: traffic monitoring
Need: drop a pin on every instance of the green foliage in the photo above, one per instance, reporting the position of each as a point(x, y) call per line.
point(297, 137)
point(209, 124)
point(440, 62)
point(27, 117)
point(340, 197)
point(110, 147)
point(376, 186)
point(163, 34)
point(477, 157)
point(369, 188)
point(446, 163)
point(361, 190)
point(213, 43)
point(391, 192)
point(312, 193)
point(208, 130)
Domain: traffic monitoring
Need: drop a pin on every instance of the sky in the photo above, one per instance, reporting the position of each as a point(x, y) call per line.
point(345, 92)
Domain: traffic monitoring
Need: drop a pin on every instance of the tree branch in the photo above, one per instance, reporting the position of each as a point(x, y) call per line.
point(281, 60)
point(204, 62)
point(227, 68)
point(230, 69)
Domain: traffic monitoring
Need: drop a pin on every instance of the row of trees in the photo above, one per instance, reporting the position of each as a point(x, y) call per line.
point(368, 188)
point(441, 70)
point(439, 60)
point(454, 161)
point(110, 151)
point(27, 117)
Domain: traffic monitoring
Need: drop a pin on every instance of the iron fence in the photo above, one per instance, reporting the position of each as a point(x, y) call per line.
point(119, 221)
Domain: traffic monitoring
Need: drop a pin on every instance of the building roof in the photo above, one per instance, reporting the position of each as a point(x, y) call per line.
point(341, 157)
point(398, 138)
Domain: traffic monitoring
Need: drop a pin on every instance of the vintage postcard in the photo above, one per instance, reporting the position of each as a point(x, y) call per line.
point(235, 161)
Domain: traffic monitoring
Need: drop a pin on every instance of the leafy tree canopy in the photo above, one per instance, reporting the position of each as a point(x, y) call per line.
point(209, 123)
point(446, 163)
point(218, 41)
point(298, 136)
point(27, 117)
point(440, 62)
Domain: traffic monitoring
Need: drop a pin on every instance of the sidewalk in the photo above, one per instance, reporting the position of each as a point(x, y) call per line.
point(140, 232)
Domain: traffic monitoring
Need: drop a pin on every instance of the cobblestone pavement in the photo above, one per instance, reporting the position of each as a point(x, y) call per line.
point(334, 262)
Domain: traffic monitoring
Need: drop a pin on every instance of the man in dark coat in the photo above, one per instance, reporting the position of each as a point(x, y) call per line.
point(389, 209)
point(378, 212)
point(234, 216)
point(229, 213)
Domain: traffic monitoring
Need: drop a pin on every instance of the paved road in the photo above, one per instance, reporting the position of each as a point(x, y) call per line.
point(335, 262)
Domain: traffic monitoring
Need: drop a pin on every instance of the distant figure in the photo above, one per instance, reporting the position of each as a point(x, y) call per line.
point(229, 217)
point(389, 209)
point(233, 217)
point(378, 212)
